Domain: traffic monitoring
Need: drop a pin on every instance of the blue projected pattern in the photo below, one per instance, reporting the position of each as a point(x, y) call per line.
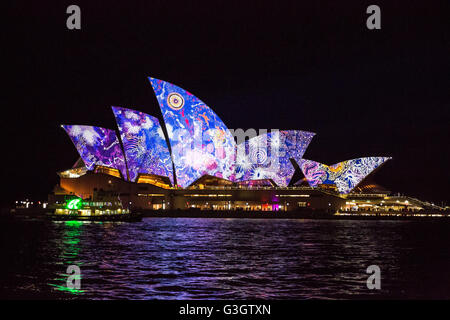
point(144, 143)
point(267, 156)
point(200, 142)
point(345, 175)
point(97, 146)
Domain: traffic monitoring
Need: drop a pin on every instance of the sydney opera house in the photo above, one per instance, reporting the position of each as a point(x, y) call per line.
point(195, 161)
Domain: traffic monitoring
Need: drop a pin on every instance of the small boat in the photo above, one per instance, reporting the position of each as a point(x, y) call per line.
point(81, 210)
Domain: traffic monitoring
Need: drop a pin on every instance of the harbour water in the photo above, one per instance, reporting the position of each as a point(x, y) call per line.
point(187, 258)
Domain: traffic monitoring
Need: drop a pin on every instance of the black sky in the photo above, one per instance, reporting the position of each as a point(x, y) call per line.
point(290, 65)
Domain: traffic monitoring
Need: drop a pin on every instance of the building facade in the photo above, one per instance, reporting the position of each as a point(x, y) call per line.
point(191, 160)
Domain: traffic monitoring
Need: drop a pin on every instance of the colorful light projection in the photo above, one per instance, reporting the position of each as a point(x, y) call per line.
point(345, 175)
point(267, 156)
point(200, 142)
point(97, 146)
point(144, 144)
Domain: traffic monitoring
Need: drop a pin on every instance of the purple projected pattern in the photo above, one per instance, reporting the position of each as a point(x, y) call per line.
point(97, 146)
point(144, 143)
point(345, 175)
point(267, 156)
point(200, 142)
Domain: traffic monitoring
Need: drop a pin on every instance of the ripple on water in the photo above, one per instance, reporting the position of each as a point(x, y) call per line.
point(226, 259)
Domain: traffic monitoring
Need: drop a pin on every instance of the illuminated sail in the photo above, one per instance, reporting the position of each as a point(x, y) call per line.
point(144, 143)
point(200, 142)
point(97, 146)
point(345, 175)
point(267, 156)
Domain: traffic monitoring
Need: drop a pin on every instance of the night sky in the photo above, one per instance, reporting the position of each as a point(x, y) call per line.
point(297, 65)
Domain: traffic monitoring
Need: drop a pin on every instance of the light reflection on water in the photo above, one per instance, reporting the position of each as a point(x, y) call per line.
point(166, 258)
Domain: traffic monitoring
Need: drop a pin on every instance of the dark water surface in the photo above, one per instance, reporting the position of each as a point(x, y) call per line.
point(167, 258)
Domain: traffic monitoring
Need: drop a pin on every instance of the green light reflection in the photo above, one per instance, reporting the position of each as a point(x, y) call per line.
point(66, 289)
point(70, 248)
